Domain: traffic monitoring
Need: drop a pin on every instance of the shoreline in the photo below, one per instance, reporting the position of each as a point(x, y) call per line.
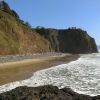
point(47, 91)
point(20, 70)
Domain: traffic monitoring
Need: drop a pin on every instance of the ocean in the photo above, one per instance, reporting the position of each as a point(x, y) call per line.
point(82, 76)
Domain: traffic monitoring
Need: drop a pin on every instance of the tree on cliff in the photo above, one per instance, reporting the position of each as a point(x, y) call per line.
point(5, 7)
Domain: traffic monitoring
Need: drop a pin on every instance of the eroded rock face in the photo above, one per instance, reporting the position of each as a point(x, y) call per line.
point(69, 40)
point(17, 37)
point(44, 93)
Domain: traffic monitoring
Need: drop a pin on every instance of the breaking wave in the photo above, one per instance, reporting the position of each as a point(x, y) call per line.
point(82, 76)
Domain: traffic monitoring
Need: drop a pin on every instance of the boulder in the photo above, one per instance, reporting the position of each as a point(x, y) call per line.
point(44, 93)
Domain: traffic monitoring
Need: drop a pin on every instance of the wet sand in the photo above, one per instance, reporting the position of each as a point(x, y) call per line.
point(20, 70)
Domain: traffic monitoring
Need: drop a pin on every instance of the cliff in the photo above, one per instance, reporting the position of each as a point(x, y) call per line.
point(17, 37)
point(44, 93)
point(70, 40)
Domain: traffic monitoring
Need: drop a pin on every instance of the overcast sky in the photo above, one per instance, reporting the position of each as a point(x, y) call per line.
point(83, 14)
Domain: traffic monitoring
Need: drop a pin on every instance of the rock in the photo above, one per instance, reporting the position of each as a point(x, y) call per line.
point(75, 95)
point(17, 37)
point(69, 40)
point(44, 93)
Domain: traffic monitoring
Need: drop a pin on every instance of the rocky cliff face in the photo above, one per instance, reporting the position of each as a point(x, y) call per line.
point(69, 40)
point(17, 37)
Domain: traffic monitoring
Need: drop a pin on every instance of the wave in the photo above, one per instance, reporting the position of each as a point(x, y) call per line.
point(82, 76)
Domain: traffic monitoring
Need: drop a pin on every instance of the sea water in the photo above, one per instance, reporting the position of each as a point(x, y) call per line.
point(82, 76)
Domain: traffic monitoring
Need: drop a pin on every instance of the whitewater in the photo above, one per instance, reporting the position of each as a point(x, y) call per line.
point(82, 76)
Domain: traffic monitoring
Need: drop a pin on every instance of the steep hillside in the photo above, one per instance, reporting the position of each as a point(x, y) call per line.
point(18, 37)
point(70, 40)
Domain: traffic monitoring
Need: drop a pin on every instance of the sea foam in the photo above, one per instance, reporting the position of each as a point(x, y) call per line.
point(82, 76)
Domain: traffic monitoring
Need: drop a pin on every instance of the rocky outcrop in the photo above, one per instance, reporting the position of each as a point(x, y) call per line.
point(70, 40)
point(44, 93)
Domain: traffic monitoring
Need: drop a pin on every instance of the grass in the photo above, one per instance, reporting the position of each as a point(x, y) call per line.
point(8, 39)
point(17, 37)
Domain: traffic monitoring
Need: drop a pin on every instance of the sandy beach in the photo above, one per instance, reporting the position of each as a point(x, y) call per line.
point(20, 70)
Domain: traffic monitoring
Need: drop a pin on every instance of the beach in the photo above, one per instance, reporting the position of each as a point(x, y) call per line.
point(16, 70)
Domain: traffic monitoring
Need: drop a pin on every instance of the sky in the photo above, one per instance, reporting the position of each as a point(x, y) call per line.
point(61, 14)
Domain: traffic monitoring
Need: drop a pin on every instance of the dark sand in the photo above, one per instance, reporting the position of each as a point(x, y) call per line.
point(20, 70)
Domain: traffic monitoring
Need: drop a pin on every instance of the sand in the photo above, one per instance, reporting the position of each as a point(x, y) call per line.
point(20, 70)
